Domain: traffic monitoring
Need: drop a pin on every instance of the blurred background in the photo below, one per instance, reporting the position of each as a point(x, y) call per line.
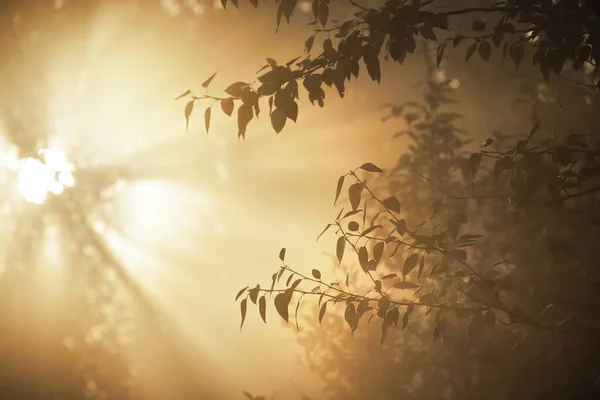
point(124, 240)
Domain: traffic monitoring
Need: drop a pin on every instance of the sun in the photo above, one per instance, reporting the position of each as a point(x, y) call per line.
point(47, 175)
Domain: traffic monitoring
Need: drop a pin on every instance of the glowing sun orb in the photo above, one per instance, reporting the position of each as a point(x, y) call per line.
point(50, 174)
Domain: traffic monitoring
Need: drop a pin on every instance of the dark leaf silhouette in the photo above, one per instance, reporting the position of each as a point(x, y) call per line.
point(322, 311)
point(262, 308)
point(188, 112)
point(370, 167)
point(282, 302)
point(282, 254)
point(354, 194)
point(236, 89)
point(227, 106)
point(243, 308)
point(278, 119)
point(393, 204)
point(409, 264)
point(208, 81)
point(316, 274)
point(184, 94)
point(340, 247)
point(485, 51)
point(207, 119)
point(406, 285)
point(338, 190)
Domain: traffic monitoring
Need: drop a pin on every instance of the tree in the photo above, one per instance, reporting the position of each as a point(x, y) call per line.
point(457, 238)
point(552, 33)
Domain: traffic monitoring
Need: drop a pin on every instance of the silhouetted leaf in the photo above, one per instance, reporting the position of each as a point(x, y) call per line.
point(440, 53)
point(189, 107)
point(428, 299)
point(392, 204)
point(470, 50)
point(208, 81)
point(410, 263)
point(378, 251)
point(186, 93)
point(309, 43)
point(351, 317)
point(254, 294)
point(316, 274)
point(353, 226)
point(207, 119)
point(406, 285)
point(282, 254)
point(278, 119)
point(236, 89)
point(324, 230)
point(240, 293)
point(421, 266)
point(486, 143)
point(340, 247)
point(243, 308)
point(485, 51)
point(262, 308)
point(354, 194)
point(338, 190)
point(322, 311)
point(389, 276)
point(282, 302)
point(370, 167)
point(478, 26)
point(323, 13)
point(474, 162)
point(227, 106)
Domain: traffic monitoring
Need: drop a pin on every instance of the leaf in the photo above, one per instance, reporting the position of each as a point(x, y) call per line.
point(322, 311)
point(278, 119)
point(410, 263)
point(353, 226)
point(316, 274)
point(262, 308)
point(485, 51)
point(370, 167)
point(209, 80)
point(282, 302)
point(428, 299)
point(392, 203)
point(378, 251)
point(244, 117)
point(243, 308)
point(426, 31)
point(421, 266)
point(236, 89)
point(440, 53)
point(351, 317)
point(324, 230)
point(470, 50)
point(389, 276)
point(207, 119)
point(486, 143)
point(189, 107)
point(282, 254)
point(354, 193)
point(227, 106)
point(338, 190)
point(535, 128)
point(340, 247)
point(309, 44)
point(186, 93)
point(478, 26)
point(254, 294)
point(323, 13)
point(460, 255)
point(400, 226)
point(240, 293)
point(406, 285)
point(474, 162)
